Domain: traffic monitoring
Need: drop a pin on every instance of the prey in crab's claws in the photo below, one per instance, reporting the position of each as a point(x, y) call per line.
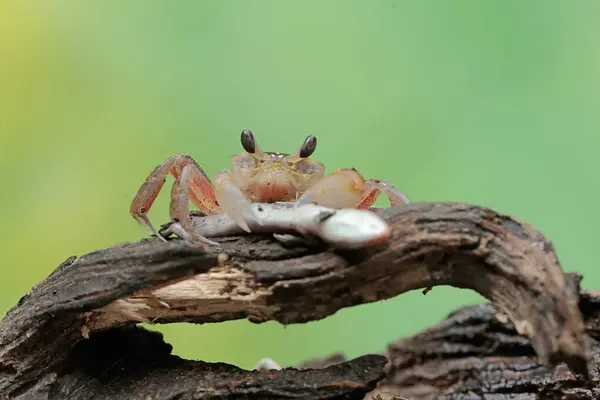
point(346, 228)
point(258, 176)
point(353, 228)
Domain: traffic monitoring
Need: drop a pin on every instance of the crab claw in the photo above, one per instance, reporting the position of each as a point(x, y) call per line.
point(347, 188)
point(340, 189)
point(233, 202)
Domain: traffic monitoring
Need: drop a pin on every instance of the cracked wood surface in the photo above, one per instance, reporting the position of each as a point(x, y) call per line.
point(255, 277)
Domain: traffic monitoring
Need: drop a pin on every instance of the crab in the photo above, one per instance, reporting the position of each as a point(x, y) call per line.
point(257, 176)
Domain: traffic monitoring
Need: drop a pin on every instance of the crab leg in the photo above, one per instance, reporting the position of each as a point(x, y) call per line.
point(346, 188)
point(202, 194)
point(180, 201)
point(230, 198)
point(374, 187)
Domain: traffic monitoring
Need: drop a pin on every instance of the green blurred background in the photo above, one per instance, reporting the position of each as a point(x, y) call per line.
point(491, 103)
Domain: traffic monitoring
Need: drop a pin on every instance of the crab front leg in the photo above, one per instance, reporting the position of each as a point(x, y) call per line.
point(180, 202)
point(202, 192)
point(346, 188)
point(230, 198)
point(233, 201)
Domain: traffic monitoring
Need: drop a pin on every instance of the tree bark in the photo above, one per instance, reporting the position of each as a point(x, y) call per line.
point(476, 354)
point(73, 335)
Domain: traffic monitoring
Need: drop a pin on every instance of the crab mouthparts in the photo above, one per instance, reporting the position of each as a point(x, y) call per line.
point(272, 187)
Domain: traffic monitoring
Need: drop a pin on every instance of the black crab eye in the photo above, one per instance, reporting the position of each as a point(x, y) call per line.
point(248, 141)
point(308, 147)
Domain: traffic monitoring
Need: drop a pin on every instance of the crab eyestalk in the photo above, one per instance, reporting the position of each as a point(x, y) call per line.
point(308, 147)
point(249, 143)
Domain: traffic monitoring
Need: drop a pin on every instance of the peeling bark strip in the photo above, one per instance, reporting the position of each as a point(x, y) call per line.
point(255, 277)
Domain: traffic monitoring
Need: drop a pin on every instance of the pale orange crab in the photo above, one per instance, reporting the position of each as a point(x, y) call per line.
point(257, 176)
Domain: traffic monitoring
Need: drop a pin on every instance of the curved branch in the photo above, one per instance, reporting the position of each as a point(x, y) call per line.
point(476, 350)
point(255, 277)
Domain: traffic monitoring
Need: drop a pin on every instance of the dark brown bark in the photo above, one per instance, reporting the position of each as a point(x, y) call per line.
point(44, 352)
point(477, 354)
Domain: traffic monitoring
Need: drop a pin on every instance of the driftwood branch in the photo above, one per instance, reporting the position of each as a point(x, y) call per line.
point(475, 353)
point(84, 309)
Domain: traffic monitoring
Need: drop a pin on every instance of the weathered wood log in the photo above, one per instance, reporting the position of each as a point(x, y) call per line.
point(84, 310)
point(477, 354)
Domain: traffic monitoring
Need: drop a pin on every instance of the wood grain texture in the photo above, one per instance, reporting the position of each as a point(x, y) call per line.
point(505, 260)
point(477, 354)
